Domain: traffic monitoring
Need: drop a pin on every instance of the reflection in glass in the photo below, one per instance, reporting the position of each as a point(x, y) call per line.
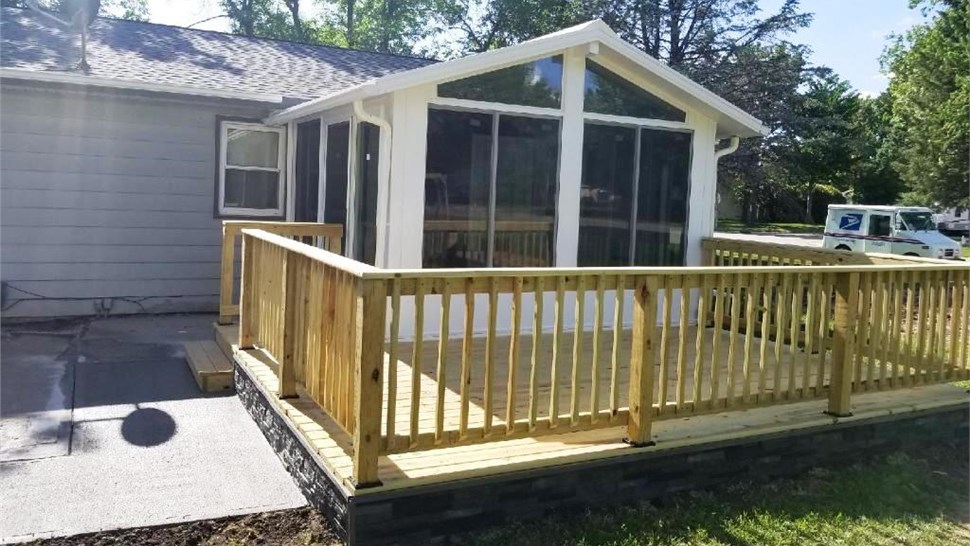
point(525, 192)
point(335, 180)
point(662, 197)
point(606, 196)
point(608, 93)
point(457, 189)
point(538, 83)
point(247, 148)
point(252, 189)
point(368, 149)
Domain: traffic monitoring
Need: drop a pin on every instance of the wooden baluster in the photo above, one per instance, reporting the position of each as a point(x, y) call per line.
point(794, 334)
point(824, 342)
point(642, 359)
point(556, 340)
point(811, 330)
point(536, 352)
point(248, 308)
point(441, 374)
point(226, 307)
point(895, 338)
point(939, 355)
point(738, 281)
point(753, 293)
point(924, 295)
point(619, 297)
point(663, 378)
point(417, 354)
point(466, 356)
point(873, 325)
point(577, 348)
point(392, 359)
point(684, 283)
point(765, 324)
point(594, 390)
point(719, 297)
point(782, 316)
point(490, 354)
point(702, 303)
point(514, 341)
point(844, 344)
point(287, 375)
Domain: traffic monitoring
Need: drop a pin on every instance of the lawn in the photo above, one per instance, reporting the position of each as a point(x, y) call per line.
point(736, 226)
point(898, 499)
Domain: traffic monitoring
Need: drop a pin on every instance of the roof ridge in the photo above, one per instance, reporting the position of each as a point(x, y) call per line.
point(251, 38)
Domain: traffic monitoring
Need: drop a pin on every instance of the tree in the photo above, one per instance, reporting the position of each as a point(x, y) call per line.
point(135, 10)
point(929, 93)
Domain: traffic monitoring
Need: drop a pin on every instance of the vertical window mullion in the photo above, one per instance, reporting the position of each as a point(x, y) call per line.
point(492, 193)
point(634, 202)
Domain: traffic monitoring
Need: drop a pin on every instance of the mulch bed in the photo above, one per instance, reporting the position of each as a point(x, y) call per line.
point(300, 527)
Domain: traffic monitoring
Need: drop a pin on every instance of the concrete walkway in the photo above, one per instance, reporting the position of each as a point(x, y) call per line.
point(102, 427)
point(800, 239)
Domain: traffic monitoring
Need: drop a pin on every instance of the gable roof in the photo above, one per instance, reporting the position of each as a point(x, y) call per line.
point(150, 56)
point(730, 119)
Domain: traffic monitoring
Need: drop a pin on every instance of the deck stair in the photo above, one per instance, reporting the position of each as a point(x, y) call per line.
point(211, 360)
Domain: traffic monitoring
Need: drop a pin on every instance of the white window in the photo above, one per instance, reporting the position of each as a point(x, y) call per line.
point(250, 170)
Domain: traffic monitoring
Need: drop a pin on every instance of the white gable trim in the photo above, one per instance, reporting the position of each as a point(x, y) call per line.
point(593, 32)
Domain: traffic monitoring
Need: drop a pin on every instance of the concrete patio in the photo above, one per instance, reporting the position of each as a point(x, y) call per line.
point(104, 428)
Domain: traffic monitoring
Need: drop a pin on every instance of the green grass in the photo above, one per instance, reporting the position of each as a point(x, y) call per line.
point(900, 499)
point(965, 251)
point(736, 226)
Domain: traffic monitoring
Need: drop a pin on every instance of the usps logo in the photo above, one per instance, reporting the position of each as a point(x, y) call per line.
point(850, 222)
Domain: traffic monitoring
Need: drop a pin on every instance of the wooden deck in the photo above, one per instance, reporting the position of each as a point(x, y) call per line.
point(403, 470)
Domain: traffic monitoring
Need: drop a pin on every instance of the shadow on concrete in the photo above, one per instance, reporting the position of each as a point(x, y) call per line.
point(148, 427)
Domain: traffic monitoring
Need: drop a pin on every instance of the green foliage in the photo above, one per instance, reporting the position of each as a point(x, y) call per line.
point(930, 97)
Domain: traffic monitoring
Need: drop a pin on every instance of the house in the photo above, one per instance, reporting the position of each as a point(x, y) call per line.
point(574, 148)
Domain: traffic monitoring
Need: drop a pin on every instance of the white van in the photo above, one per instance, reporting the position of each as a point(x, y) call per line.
point(909, 231)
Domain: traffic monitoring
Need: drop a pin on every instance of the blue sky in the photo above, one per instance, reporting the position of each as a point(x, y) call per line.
point(846, 35)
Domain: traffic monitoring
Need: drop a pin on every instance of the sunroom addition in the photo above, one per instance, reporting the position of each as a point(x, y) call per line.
point(571, 149)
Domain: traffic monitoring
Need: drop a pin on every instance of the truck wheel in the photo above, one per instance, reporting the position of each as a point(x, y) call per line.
point(843, 247)
point(911, 254)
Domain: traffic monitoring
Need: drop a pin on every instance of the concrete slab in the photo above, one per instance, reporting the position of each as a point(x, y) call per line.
point(801, 239)
point(147, 448)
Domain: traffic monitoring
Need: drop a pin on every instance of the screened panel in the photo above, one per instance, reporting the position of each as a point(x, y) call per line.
point(456, 189)
point(368, 153)
point(251, 189)
point(606, 196)
point(525, 192)
point(335, 176)
point(538, 83)
point(608, 93)
point(662, 197)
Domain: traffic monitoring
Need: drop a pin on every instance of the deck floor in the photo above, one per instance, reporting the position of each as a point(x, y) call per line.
point(448, 463)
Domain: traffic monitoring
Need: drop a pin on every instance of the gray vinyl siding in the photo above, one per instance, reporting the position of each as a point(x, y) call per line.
point(108, 196)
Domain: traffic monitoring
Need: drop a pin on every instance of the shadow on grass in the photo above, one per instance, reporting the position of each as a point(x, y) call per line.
point(904, 498)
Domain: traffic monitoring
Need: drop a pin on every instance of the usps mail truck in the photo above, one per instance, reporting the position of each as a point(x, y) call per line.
point(909, 231)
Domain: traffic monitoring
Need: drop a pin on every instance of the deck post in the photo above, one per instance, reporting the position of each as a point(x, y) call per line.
point(642, 360)
point(844, 344)
point(292, 276)
point(226, 308)
point(369, 368)
point(247, 295)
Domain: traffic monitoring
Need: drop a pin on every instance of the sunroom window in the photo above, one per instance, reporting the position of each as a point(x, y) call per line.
point(538, 83)
point(490, 190)
point(608, 93)
point(250, 170)
point(635, 191)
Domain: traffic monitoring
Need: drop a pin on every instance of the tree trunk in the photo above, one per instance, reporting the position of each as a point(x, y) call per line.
point(351, 39)
point(808, 205)
point(294, 7)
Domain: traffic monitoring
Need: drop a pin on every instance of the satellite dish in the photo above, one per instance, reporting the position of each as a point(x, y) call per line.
point(77, 16)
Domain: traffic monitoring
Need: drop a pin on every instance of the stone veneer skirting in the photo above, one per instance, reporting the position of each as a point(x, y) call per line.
point(442, 512)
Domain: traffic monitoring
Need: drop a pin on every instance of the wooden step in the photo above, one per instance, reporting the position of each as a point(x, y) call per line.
point(226, 335)
point(211, 368)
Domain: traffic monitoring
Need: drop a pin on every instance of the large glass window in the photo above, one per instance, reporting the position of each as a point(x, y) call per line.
point(490, 190)
point(662, 197)
point(608, 93)
point(644, 185)
point(606, 196)
point(250, 170)
point(368, 165)
point(456, 189)
point(538, 83)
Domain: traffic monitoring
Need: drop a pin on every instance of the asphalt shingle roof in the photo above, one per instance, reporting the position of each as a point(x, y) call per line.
point(152, 53)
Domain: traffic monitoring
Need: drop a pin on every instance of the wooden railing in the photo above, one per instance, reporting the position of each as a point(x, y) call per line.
point(720, 251)
point(527, 243)
point(326, 236)
point(409, 360)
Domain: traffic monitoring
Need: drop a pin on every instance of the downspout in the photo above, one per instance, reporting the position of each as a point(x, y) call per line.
point(718, 154)
point(384, 158)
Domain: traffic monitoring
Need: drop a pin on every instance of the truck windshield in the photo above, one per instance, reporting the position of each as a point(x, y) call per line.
point(917, 221)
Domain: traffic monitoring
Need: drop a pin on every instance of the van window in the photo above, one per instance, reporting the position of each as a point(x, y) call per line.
point(880, 225)
point(917, 221)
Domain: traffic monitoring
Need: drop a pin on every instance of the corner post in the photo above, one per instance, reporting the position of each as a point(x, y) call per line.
point(844, 344)
point(369, 379)
point(226, 311)
point(291, 276)
point(247, 294)
point(642, 360)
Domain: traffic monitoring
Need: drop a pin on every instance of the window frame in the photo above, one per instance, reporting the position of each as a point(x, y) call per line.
point(280, 170)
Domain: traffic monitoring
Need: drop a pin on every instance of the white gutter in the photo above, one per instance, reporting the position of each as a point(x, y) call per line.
point(384, 160)
point(730, 149)
point(81, 79)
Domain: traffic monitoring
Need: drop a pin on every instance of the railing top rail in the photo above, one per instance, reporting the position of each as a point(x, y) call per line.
point(346, 265)
point(809, 252)
point(238, 225)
